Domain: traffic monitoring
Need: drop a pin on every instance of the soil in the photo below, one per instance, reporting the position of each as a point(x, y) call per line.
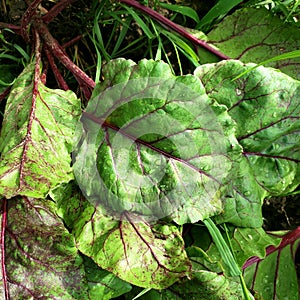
point(282, 213)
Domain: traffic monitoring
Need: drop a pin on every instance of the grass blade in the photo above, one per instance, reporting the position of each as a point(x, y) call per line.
point(288, 55)
point(140, 22)
point(220, 9)
point(184, 10)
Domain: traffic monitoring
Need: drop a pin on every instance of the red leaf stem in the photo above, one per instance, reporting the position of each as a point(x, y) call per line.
point(55, 10)
point(29, 13)
point(58, 52)
point(5, 93)
point(59, 78)
point(3, 267)
point(72, 41)
point(15, 28)
point(288, 239)
point(35, 92)
point(171, 25)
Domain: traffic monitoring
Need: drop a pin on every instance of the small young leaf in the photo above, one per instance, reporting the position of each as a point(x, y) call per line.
point(184, 10)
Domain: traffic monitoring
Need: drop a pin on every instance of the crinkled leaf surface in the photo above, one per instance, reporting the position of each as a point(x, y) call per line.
point(137, 252)
point(275, 277)
point(265, 105)
point(103, 284)
point(36, 137)
point(40, 256)
point(154, 144)
point(255, 35)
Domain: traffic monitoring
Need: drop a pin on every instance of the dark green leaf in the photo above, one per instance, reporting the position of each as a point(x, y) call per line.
point(273, 276)
point(103, 284)
point(255, 35)
point(7, 76)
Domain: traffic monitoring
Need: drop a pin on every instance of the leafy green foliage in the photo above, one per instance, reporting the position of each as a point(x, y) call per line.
point(217, 12)
point(103, 284)
point(266, 109)
point(272, 276)
point(40, 254)
point(38, 124)
point(255, 35)
point(146, 96)
point(154, 154)
point(140, 253)
point(204, 285)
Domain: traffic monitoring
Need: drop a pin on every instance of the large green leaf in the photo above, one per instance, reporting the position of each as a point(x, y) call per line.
point(36, 137)
point(255, 35)
point(147, 255)
point(265, 106)
point(39, 257)
point(154, 144)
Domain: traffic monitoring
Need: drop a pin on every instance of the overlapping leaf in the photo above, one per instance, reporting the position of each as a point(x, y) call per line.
point(137, 252)
point(41, 259)
point(245, 243)
point(265, 105)
point(103, 284)
point(255, 35)
point(267, 259)
point(204, 285)
point(275, 277)
point(36, 137)
point(154, 144)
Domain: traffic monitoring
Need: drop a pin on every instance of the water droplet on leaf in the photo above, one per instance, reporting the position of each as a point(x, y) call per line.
point(238, 92)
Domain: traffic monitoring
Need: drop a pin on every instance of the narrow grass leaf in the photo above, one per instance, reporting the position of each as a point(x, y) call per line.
point(141, 23)
point(222, 247)
point(22, 52)
point(143, 292)
point(288, 55)
point(219, 10)
point(184, 10)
